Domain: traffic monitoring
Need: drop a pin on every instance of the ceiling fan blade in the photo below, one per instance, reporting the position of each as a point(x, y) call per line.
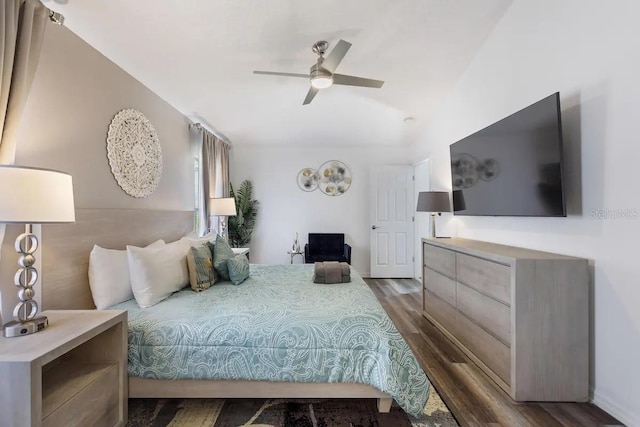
point(275, 73)
point(341, 79)
point(332, 61)
point(310, 95)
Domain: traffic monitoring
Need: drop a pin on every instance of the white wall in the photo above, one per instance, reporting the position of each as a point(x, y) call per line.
point(589, 50)
point(285, 209)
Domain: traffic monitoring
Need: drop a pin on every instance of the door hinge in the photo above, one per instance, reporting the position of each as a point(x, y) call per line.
point(413, 178)
point(413, 219)
point(413, 259)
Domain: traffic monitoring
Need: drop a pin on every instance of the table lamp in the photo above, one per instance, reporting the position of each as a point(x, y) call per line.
point(222, 208)
point(31, 196)
point(433, 202)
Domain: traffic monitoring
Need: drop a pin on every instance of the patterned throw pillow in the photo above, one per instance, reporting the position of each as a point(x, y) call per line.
point(221, 253)
point(201, 272)
point(238, 269)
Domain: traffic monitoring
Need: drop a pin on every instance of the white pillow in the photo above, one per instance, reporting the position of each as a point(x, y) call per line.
point(197, 241)
point(158, 272)
point(109, 276)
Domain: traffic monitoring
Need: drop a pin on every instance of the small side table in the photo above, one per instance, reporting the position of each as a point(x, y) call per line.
point(294, 253)
point(72, 373)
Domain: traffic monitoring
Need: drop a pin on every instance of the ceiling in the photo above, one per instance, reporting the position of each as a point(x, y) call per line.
point(199, 56)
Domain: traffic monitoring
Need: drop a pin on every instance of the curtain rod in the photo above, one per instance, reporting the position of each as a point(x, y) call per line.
point(199, 127)
point(55, 17)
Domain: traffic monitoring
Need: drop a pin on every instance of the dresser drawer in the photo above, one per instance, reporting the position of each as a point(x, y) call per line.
point(488, 277)
point(492, 315)
point(441, 260)
point(440, 285)
point(442, 312)
point(488, 349)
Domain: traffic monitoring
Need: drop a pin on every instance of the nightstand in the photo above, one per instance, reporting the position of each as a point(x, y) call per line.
point(72, 373)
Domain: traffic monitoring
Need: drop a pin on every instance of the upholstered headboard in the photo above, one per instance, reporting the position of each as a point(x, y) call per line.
point(66, 247)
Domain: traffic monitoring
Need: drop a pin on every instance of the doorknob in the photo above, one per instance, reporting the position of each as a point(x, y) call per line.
point(373, 227)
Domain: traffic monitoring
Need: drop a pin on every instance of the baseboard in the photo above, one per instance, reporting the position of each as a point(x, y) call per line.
point(365, 275)
point(624, 415)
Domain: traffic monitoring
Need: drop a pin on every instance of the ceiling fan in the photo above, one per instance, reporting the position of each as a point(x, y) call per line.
point(323, 74)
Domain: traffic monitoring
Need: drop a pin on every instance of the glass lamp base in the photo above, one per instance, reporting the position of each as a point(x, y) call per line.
point(18, 329)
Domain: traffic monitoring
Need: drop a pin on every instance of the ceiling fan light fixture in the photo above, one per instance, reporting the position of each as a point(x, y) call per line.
point(321, 82)
point(322, 75)
point(320, 78)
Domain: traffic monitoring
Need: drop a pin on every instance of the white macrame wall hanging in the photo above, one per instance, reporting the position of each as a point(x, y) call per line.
point(134, 153)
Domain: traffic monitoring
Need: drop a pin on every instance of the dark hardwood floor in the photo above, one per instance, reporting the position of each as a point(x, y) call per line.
point(473, 398)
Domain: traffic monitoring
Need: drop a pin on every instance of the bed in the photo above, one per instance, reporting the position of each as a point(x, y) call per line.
point(276, 335)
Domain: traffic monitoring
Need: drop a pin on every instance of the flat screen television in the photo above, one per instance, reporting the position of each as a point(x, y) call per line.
point(512, 167)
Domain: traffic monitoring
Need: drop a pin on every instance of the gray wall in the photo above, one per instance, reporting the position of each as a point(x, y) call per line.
point(75, 94)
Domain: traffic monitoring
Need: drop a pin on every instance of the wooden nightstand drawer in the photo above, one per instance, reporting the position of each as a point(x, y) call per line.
point(95, 402)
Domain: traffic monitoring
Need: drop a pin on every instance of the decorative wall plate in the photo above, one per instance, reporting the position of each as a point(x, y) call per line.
point(134, 153)
point(308, 179)
point(335, 178)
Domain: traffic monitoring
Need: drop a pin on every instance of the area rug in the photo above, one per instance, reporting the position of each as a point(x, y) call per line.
point(281, 413)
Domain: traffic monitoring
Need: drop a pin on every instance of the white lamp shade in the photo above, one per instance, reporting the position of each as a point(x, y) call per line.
point(225, 206)
point(35, 196)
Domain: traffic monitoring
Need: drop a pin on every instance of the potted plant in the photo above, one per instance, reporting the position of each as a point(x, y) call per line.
point(241, 225)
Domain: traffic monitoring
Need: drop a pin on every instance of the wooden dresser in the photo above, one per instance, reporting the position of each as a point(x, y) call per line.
point(521, 315)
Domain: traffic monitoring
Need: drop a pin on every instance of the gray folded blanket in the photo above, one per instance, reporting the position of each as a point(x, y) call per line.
point(331, 272)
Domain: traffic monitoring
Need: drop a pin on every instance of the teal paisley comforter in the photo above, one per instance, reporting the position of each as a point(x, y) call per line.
point(276, 326)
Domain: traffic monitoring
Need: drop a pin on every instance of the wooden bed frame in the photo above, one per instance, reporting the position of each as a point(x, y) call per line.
point(65, 263)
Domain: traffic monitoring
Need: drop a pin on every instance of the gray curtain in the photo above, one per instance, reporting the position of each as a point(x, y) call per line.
point(214, 176)
point(22, 24)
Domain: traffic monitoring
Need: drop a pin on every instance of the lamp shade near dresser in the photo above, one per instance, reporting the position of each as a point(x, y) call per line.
point(521, 315)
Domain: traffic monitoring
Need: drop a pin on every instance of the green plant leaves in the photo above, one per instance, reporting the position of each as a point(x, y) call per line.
point(241, 225)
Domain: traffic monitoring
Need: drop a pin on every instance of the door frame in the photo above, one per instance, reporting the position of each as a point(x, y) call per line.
point(416, 224)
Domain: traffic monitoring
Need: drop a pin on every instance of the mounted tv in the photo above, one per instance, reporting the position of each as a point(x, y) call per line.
point(513, 167)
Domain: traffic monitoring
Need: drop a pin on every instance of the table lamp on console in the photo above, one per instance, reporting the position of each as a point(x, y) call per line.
point(31, 196)
point(222, 208)
point(434, 202)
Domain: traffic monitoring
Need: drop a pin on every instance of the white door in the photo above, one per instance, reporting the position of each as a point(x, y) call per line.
point(421, 224)
point(392, 211)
